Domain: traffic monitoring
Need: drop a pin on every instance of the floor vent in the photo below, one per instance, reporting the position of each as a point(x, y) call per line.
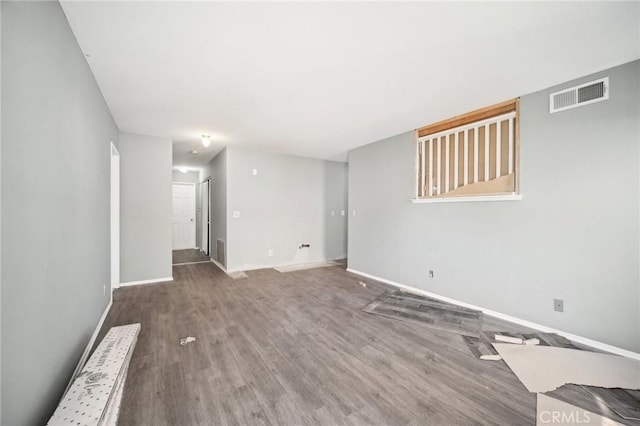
point(221, 252)
point(584, 94)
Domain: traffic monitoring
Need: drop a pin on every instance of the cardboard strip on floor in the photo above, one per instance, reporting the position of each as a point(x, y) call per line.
point(238, 275)
point(545, 368)
point(483, 349)
point(544, 339)
point(94, 397)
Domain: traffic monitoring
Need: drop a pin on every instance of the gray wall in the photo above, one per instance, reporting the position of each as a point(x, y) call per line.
point(56, 130)
point(336, 183)
point(0, 212)
point(218, 202)
point(192, 176)
point(574, 236)
point(286, 204)
point(145, 208)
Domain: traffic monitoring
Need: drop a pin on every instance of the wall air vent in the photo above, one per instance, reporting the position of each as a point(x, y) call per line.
point(221, 252)
point(584, 94)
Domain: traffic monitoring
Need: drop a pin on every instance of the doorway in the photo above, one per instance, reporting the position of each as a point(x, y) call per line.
point(115, 218)
point(183, 215)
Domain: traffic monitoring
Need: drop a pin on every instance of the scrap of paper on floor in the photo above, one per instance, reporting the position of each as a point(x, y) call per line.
point(546, 368)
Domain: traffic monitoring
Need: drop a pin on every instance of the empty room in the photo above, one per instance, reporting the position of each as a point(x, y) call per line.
point(319, 213)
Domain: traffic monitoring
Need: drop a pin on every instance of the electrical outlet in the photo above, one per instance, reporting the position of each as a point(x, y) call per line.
point(558, 305)
point(270, 253)
point(430, 273)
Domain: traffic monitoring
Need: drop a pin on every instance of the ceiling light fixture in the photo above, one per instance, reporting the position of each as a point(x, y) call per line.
point(206, 140)
point(194, 151)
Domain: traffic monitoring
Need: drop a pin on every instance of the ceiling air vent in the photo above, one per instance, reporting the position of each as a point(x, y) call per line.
point(588, 93)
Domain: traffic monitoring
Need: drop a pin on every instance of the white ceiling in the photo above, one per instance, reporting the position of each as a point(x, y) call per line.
point(317, 79)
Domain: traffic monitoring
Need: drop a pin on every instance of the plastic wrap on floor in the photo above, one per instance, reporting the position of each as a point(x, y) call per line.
point(623, 402)
point(553, 411)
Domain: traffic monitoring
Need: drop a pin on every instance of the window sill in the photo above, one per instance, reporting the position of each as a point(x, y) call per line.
point(504, 197)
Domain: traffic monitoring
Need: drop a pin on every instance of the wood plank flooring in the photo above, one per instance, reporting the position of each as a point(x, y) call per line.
point(296, 349)
point(405, 306)
point(188, 256)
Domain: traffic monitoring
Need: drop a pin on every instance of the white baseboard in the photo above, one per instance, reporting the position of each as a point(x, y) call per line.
point(303, 266)
point(274, 266)
point(153, 281)
point(578, 339)
point(253, 267)
point(85, 354)
point(191, 263)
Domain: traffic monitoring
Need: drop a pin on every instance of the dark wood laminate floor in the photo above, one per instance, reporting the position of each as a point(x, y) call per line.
point(296, 349)
point(188, 256)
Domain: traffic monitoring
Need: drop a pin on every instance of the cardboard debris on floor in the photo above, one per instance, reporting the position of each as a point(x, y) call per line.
point(545, 368)
point(553, 411)
point(578, 396)
point(426, 311)
point(543, 339)
point(483, 349)
point(238, 275)
point(616, 406)
point(95, 395)
point(185, 340)
point(508, 339)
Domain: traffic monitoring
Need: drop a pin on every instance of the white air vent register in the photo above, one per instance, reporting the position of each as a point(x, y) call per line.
point(584, 94)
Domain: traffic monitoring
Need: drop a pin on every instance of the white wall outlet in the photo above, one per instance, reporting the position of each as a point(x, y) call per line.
point(342, 212)
point(254, 172)
point(333, 213)
point(236, 214)
point(558, 305)
point(354, 212)
point(270, 253)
